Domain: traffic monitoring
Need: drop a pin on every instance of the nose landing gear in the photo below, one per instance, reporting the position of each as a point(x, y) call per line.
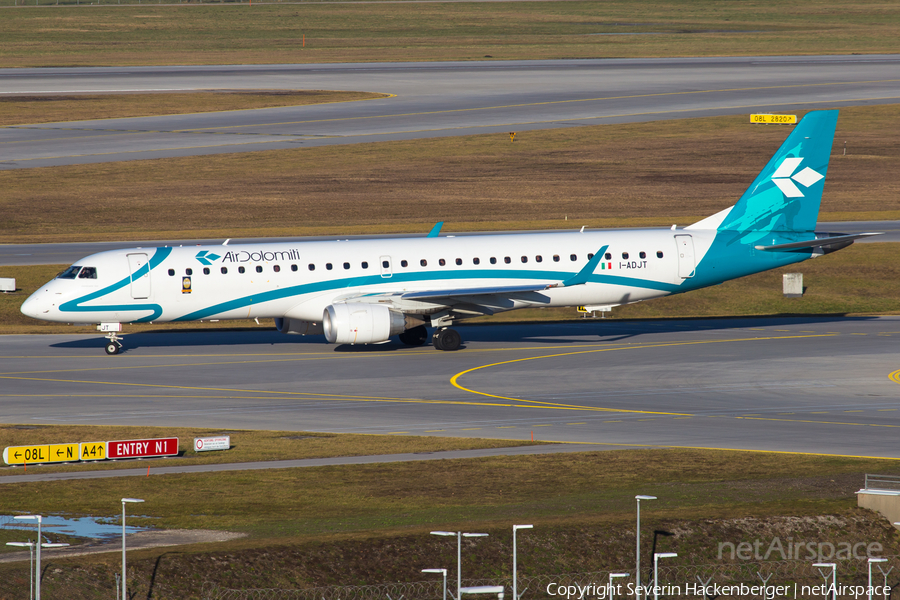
point(115, 344)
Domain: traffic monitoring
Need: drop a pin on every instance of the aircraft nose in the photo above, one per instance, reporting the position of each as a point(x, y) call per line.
point(34, 306)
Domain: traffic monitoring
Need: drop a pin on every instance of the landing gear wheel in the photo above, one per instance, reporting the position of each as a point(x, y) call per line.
point(446, 339)
point(112, 348)
point(415, 336)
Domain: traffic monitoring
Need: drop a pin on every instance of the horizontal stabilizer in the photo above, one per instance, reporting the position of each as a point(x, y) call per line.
point(817, 243)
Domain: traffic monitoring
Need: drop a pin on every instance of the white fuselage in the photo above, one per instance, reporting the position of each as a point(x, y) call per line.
point(298, 280)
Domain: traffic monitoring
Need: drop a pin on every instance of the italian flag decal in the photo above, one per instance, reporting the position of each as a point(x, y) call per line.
point(605, 265)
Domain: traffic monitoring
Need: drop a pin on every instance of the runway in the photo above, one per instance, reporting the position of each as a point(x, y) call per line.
point(812, 385)
point(432, 100)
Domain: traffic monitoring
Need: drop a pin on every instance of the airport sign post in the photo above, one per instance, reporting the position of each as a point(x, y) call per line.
point(637, 569)
point(43, 453)
point(37, 566)
point(768, 118)
point(222, 442)
point(125, 587)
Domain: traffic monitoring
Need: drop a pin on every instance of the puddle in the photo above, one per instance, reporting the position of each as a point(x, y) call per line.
point(86, 527)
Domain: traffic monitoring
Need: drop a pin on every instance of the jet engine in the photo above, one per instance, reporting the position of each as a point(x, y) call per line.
point(358, 323)
point(296, 326)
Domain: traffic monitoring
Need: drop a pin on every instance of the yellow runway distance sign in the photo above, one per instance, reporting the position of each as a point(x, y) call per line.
point(20, 455)
point(784, 119)
point(54, 453)
point(92, 451)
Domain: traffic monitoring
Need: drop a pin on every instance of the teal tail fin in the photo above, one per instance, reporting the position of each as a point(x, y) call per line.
point(785, 196)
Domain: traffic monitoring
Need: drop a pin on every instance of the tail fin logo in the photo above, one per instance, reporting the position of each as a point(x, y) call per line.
point(785, 176)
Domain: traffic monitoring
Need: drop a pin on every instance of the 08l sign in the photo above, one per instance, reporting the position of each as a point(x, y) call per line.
point(142, 448)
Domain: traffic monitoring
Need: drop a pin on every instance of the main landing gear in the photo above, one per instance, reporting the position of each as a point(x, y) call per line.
point(445, 338)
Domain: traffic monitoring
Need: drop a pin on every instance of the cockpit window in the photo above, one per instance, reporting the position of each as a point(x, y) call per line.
point(69, 273)
point(88, 273)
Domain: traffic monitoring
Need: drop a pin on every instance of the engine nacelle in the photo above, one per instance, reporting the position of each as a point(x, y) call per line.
point(298, 327)
point(361, 323)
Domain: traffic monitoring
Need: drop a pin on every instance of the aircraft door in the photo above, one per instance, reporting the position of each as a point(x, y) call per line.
point(386, 267)
point(685, 247)
point(140, 280)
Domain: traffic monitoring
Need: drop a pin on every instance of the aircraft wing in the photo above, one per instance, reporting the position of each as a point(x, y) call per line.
point(469, 292)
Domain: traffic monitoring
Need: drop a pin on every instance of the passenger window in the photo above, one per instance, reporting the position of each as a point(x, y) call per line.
point(659, 254)
point(625, 255)
point(507, 259)
point(524, 259)
point(493, 260)
point(423, 262)
point(459, 261)
point(294, 268)
point(643, 255)
point(590, 255)
point(404, 264)
point(224, 270)
point(365, 265)
point(171, 272)
point(476, 261)
point(206, 270)
point(188, 271)
point(385, 264)
point(556, 258)
point(346, 266)
point(312, 267)
point(573, 257)
point(241, 269)
point(276, 268)
point(259, 269)
point(608, 256)
point(69, 273)
point(88, 273)
point(442, 262)
point(328, 266)
point(538, 258)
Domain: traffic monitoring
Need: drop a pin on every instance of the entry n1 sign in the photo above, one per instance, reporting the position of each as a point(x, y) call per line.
point(142, 448)
point(222, 442)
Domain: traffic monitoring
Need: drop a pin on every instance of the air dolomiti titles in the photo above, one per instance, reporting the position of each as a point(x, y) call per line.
point(90, 451)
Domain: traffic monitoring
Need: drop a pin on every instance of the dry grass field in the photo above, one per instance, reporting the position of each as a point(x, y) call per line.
point(309, 32)
point(598, 176)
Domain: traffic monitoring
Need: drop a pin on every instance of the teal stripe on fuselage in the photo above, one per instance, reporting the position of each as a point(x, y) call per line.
point(76, 305)
point(353, 282)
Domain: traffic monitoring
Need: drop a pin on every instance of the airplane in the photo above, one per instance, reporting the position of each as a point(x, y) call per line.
point(366, 291)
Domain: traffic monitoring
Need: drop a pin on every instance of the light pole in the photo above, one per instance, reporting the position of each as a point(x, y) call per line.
point(515, 561)
point(656, 557)
point(873, 560)
point(614, 576)
point(31, 565)
point(442, 572)
point(459, 536)
point(124, 587)
point(833, 577)
point(37, 567)
point(637, 570)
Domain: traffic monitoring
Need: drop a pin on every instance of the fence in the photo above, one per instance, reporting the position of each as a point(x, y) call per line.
point(768, 573)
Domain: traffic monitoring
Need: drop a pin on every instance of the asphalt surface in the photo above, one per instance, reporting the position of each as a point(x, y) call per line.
point(815, 385)
point(432, 100)
point(68, 253)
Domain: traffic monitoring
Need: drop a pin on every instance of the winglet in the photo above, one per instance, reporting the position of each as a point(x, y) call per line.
point(588, 270)
point(436, 229)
